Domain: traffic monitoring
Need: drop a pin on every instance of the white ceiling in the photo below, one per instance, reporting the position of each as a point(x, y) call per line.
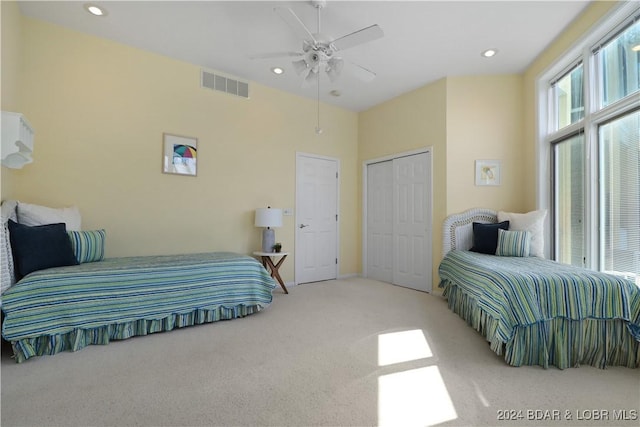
point(423, 42)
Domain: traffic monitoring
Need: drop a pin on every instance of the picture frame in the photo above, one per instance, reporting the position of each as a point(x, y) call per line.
point(487, 172)
point(180, 155)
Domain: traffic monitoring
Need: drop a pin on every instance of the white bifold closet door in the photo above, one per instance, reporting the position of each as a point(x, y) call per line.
point(380, 221)
point(399, 221)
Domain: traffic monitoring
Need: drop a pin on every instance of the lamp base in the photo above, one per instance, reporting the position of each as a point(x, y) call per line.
point(268, 239)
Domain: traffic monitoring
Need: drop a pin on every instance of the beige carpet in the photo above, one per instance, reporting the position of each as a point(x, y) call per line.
point(346, 352)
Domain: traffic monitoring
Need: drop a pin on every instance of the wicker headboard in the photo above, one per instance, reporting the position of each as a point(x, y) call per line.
point(7, 278)
point(457, 230)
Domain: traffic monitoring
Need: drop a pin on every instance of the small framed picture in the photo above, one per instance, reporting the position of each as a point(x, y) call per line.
point(180, 155)
point(487, 172)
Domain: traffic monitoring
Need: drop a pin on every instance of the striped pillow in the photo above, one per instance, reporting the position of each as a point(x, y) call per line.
point(513, 243)
point(88, 246)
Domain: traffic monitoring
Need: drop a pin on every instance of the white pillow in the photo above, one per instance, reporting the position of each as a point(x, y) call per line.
point(533, 222)
point(29, 214)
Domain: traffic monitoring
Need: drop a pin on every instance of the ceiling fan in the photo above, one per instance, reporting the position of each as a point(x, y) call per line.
point(319, 51)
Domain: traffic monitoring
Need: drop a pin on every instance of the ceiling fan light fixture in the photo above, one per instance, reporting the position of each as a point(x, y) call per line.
point(334, 68)
point(300, 66)
point(312, 77)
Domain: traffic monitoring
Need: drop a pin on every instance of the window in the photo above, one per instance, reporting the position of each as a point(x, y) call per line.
point(592, 142)
point(619, 60)
point(569, 200)
point(569, 98)
point(620, 195)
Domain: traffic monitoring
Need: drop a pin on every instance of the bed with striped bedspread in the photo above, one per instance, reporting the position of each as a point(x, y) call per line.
point(540, 312)
point(68, 308)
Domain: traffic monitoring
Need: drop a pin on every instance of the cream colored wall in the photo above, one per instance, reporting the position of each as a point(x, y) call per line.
point(574, 31)
point(11, 55)
point(100, 109)
point(484, 122)
point(11, 34)
point(411, 121)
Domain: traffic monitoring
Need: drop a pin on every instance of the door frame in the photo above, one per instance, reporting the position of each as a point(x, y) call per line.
point(297, 247)
point(365, 164)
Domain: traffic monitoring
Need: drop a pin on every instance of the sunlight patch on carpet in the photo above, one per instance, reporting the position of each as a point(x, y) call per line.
point(398, 347)
point(417, 397)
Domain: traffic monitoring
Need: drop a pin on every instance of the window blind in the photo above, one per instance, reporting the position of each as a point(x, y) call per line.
point(620, 195)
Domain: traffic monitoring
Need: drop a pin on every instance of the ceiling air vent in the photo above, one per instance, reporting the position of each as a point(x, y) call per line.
point(224, 84)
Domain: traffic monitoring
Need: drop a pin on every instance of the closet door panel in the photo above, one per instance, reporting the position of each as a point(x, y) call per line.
point(380, 221)
point(410, 226)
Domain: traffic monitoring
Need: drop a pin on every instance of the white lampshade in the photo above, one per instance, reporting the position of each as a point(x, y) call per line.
point(268, 217)
point(300, 66)
point(311, 79)
point(334, 68)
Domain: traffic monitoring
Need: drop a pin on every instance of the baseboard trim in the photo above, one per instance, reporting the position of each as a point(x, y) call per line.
point(340, 277)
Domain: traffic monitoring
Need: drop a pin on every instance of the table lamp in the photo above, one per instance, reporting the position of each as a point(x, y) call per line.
point(268, 218)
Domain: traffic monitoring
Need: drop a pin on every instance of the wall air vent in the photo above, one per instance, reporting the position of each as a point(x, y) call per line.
point(224, 84)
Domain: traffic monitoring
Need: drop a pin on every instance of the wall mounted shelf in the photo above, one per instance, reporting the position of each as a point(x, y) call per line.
point(17, 140)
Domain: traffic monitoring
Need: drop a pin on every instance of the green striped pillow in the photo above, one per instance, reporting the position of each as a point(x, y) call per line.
point(88, 246)
point(513, 243)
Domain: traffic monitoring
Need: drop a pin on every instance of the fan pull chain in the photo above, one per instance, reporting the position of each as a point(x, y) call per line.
point(318, 128)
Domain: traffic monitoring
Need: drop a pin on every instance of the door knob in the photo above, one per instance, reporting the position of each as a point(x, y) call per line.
point(304, 225)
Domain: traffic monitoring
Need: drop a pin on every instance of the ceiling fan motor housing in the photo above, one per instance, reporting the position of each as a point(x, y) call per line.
point(321, 44)
point(318, 4)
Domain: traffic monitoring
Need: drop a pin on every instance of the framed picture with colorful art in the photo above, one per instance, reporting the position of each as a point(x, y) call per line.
point(180, 155)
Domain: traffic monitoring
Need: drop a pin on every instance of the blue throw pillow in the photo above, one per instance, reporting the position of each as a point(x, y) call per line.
point(39, 247)
point(513, 243)
point(88, 246)
point(485, 236)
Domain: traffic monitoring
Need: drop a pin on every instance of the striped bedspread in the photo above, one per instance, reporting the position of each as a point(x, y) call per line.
point(521, 292)
point(67, 308)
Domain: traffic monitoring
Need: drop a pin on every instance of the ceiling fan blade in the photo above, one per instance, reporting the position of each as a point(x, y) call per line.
point(295, 23)
point(358, 37)
point(361, 73)
point(275, 55)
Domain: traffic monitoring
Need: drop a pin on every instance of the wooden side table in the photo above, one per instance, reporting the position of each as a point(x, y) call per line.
point(268, 264)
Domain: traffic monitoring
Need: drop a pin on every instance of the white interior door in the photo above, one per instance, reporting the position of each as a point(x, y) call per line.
point(398, 215)
point(380, 221)
point(316, 219)
point(412, 255)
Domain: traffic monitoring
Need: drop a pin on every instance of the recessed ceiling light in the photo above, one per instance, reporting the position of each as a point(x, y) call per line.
point(335, 92)
point(489, 53)
point(636, 48)
point(95, 10)
point(277, 70)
